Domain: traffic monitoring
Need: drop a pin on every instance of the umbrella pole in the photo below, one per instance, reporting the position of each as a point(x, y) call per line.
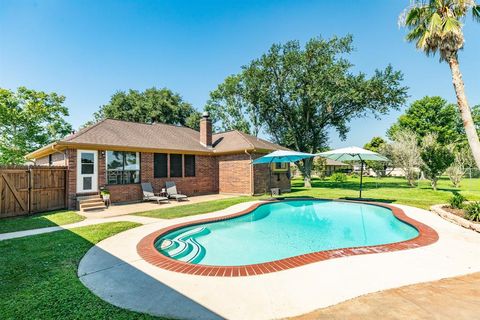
point(361, 178)
point(270, 178)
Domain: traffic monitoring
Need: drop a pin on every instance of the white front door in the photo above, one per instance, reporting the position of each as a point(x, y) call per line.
point(87, 171)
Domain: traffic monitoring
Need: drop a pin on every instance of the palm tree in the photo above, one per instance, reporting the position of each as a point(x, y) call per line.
point(436, 26)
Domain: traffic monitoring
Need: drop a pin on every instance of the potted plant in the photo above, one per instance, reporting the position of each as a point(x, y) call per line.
point(105, 196)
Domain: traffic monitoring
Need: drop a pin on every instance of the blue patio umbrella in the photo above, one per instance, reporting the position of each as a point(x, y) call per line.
point(281, 156)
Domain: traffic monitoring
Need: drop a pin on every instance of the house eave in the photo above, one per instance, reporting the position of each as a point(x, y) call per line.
point(62, 145)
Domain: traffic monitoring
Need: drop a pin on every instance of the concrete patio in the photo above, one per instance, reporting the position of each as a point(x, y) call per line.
point(114, 271)
point(129, 208)
point(452, 298)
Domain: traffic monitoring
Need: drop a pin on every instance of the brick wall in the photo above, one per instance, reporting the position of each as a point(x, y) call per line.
point(58, 159)
point(234, 174)
point(71, 162)
point(217, 174)
point(101, 168)
point(204, 182)
point(125, 192)
point(262, 179)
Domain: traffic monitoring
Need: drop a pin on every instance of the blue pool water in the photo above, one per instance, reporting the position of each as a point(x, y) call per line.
point(280, 230)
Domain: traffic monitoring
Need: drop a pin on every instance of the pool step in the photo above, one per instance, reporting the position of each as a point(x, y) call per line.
point(184, 247)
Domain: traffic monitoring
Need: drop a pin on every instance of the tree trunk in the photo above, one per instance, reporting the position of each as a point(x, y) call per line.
point(471, 132)
point(307, 172)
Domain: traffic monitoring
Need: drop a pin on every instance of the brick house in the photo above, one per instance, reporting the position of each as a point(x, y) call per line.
point(119, 155)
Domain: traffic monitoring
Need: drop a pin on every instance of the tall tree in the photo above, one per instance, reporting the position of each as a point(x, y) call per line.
point(405, 154)
point(432, 115)
point(436, 26)
point(379, 145)
point(376, 144)
point(151, 105)
point(29, 119)
point(231, 107)
point(298, 93)
point(436, 158)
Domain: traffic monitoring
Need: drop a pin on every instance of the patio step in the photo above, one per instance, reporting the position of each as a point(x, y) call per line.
point(90, 197)
point(90, 203)
point(95, 208)
point(92, 200)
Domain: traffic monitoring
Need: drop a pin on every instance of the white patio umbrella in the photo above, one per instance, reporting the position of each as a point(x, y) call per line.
point(281, 156)
point(353, 154)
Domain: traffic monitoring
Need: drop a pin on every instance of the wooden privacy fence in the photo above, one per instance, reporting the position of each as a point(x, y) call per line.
point(30, 189)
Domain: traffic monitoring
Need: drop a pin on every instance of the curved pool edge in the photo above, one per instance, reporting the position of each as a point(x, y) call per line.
point(147, 251)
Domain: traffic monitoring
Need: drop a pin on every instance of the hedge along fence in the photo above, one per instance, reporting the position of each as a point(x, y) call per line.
point(31, 189)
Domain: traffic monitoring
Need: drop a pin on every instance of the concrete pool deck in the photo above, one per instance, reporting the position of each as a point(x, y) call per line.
point(115, 272)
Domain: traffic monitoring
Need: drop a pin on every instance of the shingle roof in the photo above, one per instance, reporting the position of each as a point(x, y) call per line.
point(134, 135)
point(235, 140)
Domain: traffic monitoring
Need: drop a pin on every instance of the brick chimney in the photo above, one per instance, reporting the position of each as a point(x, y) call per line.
point(206, 130)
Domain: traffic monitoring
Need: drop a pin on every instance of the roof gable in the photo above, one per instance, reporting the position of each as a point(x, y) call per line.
point(133, 134)
point(125, 135)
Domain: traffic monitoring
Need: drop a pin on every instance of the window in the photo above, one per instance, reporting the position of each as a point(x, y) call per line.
point(189, 165)
point(87, 162)
point(280, 166)
point(176, 165)
point(50, 160)
point(160, 168)
point(87, 183)
point(123, 167)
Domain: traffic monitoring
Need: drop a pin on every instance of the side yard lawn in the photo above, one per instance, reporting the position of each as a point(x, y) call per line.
point(39, 276)
point(40, 220)
point(389, 189)
point(195, 208)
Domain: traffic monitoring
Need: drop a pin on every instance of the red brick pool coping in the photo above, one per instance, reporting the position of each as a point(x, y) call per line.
point(149, 253)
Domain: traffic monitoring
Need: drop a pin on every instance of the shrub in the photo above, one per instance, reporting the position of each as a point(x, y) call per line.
point(472, 211)
point(338, 177)
point(457, 200)
point(354, 175)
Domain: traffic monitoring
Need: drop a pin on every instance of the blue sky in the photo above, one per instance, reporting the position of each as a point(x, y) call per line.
point(87, 50)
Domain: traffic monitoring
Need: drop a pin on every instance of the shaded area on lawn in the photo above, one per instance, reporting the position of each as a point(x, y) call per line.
point(39, 220)
point(39, 277)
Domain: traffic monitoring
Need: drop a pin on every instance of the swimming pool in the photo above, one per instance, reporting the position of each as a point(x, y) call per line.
point(280, 230)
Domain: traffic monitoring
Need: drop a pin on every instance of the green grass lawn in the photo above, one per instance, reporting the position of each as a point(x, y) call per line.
point(394, 190)
point(39, 273)
point(39, 276)
point(40, 220)
point(195, 208)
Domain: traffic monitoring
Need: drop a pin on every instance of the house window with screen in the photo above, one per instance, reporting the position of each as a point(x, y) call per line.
point(280, 166)
point(160, 165)
point(123, 167)
point(189, 165)
point(176, 165)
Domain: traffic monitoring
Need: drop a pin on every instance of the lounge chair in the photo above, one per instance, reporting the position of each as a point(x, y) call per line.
point(148, 194)
point(172, 191)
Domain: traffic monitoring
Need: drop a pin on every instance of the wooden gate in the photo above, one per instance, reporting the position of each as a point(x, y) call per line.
point(25, 190)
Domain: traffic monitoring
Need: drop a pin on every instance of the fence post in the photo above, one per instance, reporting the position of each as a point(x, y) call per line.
point(66, 186)
point(30, 186)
